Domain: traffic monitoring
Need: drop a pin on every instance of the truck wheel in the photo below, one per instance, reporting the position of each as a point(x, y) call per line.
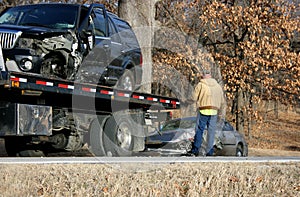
point(31, 153)
point(16, 147)
point(59, 141)
point(126, 82)
point(96, 138)
point(117, 138)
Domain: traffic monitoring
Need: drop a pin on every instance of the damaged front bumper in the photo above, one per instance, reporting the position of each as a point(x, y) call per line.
point(21, 60)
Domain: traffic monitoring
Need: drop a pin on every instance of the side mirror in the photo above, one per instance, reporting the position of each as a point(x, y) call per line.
point(85, 34)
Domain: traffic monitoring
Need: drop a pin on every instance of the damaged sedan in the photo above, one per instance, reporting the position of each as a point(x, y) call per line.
point(175, 137)
point(72, 42)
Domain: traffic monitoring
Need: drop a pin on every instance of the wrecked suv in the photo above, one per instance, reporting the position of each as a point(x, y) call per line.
point(71, 41)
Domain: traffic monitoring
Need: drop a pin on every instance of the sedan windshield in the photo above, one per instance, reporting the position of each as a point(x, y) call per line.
point(51, 16)
point(179, 123)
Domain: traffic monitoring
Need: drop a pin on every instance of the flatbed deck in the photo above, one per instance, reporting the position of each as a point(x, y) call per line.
point(30, 88)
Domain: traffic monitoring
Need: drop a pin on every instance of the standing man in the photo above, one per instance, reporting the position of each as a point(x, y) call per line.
point(210, 103)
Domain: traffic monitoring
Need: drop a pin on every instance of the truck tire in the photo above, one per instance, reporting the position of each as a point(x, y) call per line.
point(118, 139)
point(17, 147)
point(96, 138)
point(31, 153)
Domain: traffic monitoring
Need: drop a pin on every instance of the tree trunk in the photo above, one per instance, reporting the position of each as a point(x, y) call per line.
point(140, 15)
point(239, 112)
point(276, 110)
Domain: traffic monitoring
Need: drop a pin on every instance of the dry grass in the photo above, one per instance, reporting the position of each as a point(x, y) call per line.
point(192, 179)
point(276, 138)
point(282, 133)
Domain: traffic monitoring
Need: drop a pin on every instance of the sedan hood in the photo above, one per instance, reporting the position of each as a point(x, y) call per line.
point(172, 136)
point(179, 135)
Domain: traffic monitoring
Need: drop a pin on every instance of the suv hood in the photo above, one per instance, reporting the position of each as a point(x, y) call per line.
point(32, 30)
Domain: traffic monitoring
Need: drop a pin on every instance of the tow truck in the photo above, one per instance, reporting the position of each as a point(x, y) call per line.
point(40, 115)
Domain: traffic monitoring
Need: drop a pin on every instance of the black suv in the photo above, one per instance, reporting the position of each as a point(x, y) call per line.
point(71, 41)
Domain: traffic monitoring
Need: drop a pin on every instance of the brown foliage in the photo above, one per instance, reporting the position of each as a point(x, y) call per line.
point(250, 41)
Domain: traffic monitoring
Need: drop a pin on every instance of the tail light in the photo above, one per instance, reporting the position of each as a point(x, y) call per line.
point(141, 60)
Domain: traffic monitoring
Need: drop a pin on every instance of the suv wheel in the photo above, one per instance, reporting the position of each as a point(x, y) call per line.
point(52, 67)
point(126, 82)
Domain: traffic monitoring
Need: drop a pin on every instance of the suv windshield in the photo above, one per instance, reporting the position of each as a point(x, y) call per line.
point(51, 16)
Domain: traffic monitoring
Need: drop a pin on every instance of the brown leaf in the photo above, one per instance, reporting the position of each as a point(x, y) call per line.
point(259, 179)
point(105, 189)
point(40, 192)
point(234, 179)
point(203, 189)
point(297, 188)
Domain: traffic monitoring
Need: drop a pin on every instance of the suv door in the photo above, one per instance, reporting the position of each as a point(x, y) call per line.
point(100, 42)
point(115, 69)
point(93, 68)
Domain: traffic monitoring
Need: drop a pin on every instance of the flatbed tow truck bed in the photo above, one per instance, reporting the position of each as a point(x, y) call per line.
point(42, 115)
point(34, 89)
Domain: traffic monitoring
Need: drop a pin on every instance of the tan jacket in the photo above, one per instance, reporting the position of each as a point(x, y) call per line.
point(209, 94)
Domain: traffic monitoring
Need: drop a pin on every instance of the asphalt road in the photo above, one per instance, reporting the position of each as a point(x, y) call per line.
point(84, 157)
point(136, 160)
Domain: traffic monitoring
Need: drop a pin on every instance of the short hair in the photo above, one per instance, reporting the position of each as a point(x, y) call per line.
point(206, 72)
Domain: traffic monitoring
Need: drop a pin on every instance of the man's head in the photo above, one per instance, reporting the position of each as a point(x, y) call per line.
point(206, 74)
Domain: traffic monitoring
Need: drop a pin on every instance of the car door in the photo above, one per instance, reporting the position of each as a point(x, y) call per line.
point(102, 46)
point(115, 68)
point(229, 134)
point(98, 45)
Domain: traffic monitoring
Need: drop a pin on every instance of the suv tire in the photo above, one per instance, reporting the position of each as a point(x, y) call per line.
point(126, 82)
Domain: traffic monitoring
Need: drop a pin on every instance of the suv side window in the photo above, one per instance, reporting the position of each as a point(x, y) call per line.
point(99, 23)
point(125, 31)
point(113, 32)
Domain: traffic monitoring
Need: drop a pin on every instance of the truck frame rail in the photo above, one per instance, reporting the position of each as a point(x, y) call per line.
point(24, 87)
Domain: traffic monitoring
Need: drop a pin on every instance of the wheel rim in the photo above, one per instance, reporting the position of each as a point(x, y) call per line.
point(124, 137)
point(239, 152)
point(127, 83)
